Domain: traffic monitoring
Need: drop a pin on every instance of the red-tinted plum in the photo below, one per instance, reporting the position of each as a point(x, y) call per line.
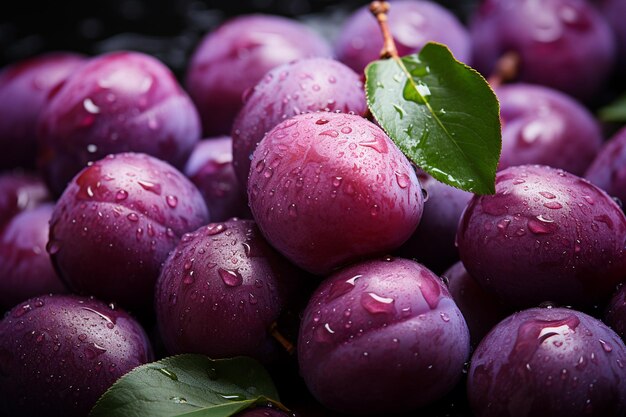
point(546, 235)
point(432, 244)
point(544, 126)
point(563, 44)
point(18, 192)
point(118, 102)
point(24, 89)
point(549, 362)
point(381, 336)
point(614, 12)
point(59, 353)
point(116, 223)
point(25, 267)
point(236, 56)
point(301, 86)
point(616, 312)
point(221, 290)
point(210, 168)
point(608, 170)
point(412, 23)
point(328, 188)
point(480, 309)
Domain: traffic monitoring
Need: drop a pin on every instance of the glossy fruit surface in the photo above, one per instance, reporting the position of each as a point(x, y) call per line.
point(608, 170)
point(18, 192)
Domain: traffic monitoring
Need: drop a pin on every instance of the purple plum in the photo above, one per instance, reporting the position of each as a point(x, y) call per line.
point(616, 312)
point(327, 189)
point(546, 235)
point(608, 170)
point(306, 85)
point(549, 362)
point(60, 353)
point(118, 102)
point(233, 58)
point(18, 192)
point(377, 329)
point(614, 12)
point(116, 223)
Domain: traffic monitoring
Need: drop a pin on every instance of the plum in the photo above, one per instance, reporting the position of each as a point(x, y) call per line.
point(546, 235)
point(544, 126)
point(412, 23)
point(221, 290)
point(263, 412)
point(614, 12)
point(608, 170)
point(563, 44)
point(20, 191)
point(301, 86)
point(378, 328)
point(59, 353)
point(116, 223)
point(25, 88)
point(480, 309)
point(117, 102)
point(432, 244)
point(548, 362)
point(329, 188)
point(233, 58)
point(210, 168)
point(616, 312)
point(25, 267)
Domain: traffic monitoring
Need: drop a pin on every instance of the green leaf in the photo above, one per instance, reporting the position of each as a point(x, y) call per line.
point(190, 386)
point(441, 113)
point(614, 112)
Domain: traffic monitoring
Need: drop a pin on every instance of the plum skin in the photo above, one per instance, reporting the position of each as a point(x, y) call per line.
point(116, 223)
point(18, 192)
point(548, 361)
point(616, 312)
point(59, 353)
point(608, 170)
point(377, 328)
point(329, 188)
point(222, 277)
point(117, 102)
point(546, 235)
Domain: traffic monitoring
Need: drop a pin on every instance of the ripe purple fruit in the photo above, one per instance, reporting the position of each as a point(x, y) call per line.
point(327, 189)
point(377, 329)
point(616, 312)
point(549, 362)
point(301, 86)
point(546, 235)
point(118, 102)
point(234, 57)
point(59, 353)
point(412, 24)
point(608, 170)
point(221, 290)
point(19, 192)
point(116, 223)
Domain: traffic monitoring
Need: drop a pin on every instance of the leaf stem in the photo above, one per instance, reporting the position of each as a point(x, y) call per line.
point(289, 347)
point(506, 69)
point(380, 9)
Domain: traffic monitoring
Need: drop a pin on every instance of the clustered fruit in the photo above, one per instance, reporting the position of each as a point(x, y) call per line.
point(261, 207)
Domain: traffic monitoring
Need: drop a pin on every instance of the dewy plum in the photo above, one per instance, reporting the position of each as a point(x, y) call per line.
point(118, 102)
point(412, 24)
point(546, 235)
point(116, 223)
point(549, 362)
point(563, 44)
point(236, 56)
point(25, 87)
point(329, 188)
point(221, 290)
point(301, 86)
point(616, 312)
point(608, 170)
point(18, 192)
point(210, 168)
point(25, 267)
point(544, 126)
point(381, 336)
point(59, 353)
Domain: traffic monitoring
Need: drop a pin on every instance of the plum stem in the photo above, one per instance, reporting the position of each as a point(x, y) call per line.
point(506, 69)
point(289, 347)
point(380, 9)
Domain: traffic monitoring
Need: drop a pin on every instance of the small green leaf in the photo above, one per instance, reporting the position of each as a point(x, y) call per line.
point(190, 386)
point(614, 112)
point(441, 113)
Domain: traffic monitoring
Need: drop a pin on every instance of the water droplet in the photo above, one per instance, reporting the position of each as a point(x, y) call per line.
point(588, 199)
point(121, 195)
point(233, 397)
point(252, 299)
point(346, 130)
point(375, 210)
point(606, 346)
point(331, 133)
point(554, 205)
point(172, 201)
point(179, 400)
point(402, 179)
point(541, 225)
point(171, 375)
point(339, 288)
point(132, 217)
point(378, 144)
point(321, 122)
point(90, 106)
point(215, 229)
point(106, 318)
point(444, 317)
point(21, 310)
point(547, 195)
point(376, 304)
point(230, 278)
point(292, 210)
point(150, 186)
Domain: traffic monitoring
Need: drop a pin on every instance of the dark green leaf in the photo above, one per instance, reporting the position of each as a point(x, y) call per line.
point(614, 112)
point(441, 113)
point(190, 386)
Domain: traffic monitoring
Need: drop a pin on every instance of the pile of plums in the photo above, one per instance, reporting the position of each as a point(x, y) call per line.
point(258, 209)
